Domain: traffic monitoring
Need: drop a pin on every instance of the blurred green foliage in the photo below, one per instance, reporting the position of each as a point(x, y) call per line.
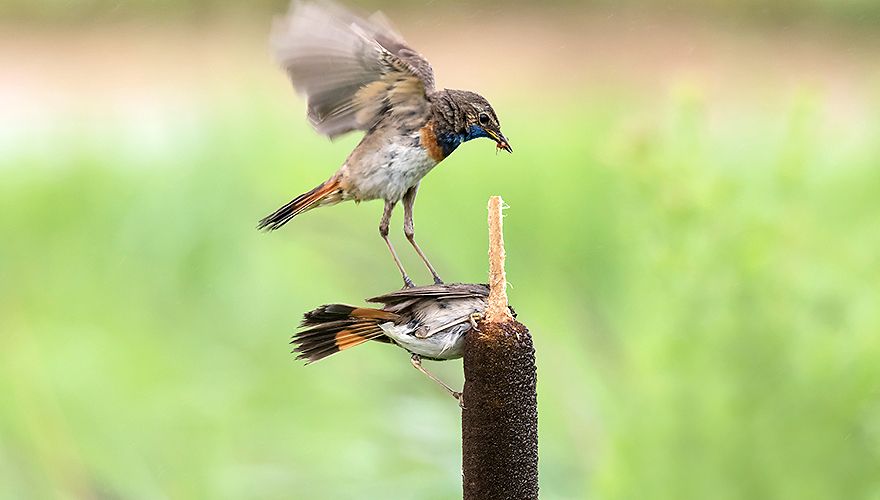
point(703, 296)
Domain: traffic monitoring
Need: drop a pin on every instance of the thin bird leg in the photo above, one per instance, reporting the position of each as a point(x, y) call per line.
point(383, 231)
point(416, 361)
point(409, 200)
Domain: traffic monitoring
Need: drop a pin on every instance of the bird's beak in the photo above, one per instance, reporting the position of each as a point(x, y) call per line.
point(500, 140)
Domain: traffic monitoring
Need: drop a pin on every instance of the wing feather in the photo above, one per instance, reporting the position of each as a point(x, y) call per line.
point(438, 292)
point(352, 70)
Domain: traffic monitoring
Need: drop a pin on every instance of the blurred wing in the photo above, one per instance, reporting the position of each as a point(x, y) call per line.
point(351, 70)
point(436, 292)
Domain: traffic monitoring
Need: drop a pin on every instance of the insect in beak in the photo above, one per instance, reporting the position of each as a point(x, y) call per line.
point(500, 141)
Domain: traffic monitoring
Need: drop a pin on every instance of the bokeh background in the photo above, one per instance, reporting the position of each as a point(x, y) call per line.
point(693, 239)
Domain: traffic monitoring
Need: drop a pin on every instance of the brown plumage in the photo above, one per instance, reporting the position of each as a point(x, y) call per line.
point(358, 73)
point(428, 322)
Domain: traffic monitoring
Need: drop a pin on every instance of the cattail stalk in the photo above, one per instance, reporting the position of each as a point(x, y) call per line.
point(500, 416)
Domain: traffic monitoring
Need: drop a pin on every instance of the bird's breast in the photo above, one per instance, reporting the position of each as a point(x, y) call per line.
point(387, 169)
point(428, 139)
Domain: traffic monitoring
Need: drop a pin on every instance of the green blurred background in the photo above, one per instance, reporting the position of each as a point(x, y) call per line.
point(692, 238)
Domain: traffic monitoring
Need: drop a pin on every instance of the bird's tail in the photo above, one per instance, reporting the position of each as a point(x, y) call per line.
point(336, 327)
point(328, 193)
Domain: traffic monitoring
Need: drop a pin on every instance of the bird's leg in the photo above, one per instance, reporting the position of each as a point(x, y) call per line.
point(383, 231)
point(409, 200)
point(416, 361)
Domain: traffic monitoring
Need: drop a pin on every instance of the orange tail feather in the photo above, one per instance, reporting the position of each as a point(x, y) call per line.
point(328, 193)
point(336, 327)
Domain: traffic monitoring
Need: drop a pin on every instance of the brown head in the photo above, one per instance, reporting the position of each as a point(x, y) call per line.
point(461, 115)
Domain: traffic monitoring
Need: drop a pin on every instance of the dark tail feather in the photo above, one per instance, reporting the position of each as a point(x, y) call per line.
point(336, 327)
point(328, 193)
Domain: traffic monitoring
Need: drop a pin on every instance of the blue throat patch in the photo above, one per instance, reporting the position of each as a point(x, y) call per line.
point(450, 140)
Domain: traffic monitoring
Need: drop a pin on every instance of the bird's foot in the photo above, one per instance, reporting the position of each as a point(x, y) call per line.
point(408, 283)
point(437, 280)
point(474, 318)
point(460, 397)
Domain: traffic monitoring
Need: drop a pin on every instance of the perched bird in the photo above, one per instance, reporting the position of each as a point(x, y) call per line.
point(359, 74)
point(429, 322)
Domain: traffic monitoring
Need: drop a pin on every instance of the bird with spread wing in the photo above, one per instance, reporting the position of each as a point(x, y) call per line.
point(357, 73)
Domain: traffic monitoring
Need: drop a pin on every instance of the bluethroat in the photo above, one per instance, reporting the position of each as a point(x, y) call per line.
point(429, 322)
point(358, 73)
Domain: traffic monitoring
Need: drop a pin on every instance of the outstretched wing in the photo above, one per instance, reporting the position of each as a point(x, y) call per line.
point(351, 70)
point(435, 292)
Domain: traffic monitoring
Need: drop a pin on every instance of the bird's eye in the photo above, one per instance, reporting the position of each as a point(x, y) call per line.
point(484, 119)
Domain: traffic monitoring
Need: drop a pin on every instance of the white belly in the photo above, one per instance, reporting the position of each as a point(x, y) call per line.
point(445, 344)
point(441, 324)
point(391, 170)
